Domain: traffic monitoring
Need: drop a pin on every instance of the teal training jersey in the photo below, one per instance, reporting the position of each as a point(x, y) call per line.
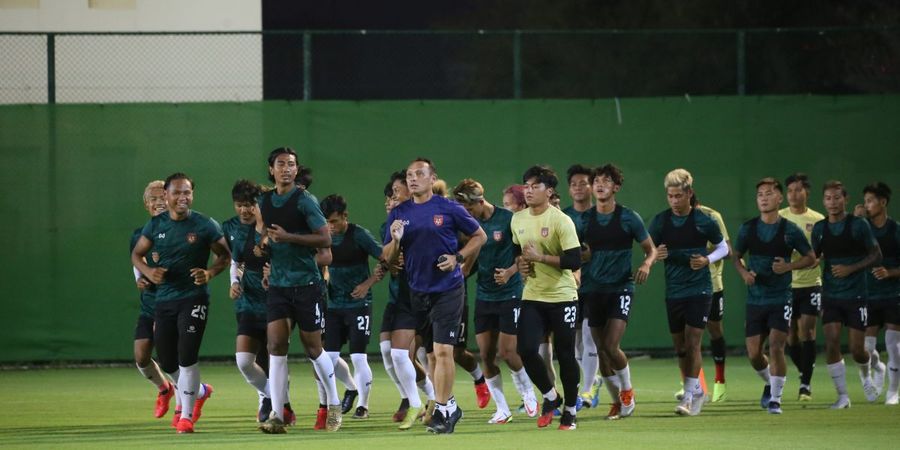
point(181, 246)
point(681, 281)
point(497, 253)
point(295, 265)
point(253, 295)
point(852, 287)
point(610, 270)
point(344, 278)
point(889, 288)
point(578, 219)
point(148, 295)
point(769, 287)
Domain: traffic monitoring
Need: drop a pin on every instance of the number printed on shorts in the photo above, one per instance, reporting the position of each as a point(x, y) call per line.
point(815, 299)
point(199, 312)
point(516, 316)
point(362, 324)
point(863, 315)
point(319, 316)
point(788, 312)
point(570, 312)
point(625, 304)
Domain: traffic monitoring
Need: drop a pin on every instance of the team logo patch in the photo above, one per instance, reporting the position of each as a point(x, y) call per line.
point(498, 236)
point(191, 238)
point(438, 219)
point(155, 257)
point(545, 232)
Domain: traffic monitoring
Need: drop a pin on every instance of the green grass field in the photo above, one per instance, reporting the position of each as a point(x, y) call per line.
point(112, 407)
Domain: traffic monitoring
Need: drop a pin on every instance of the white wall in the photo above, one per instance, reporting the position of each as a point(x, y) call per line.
point(103, 68)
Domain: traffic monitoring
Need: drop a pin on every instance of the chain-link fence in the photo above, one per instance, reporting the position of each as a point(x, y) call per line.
point(480, 64)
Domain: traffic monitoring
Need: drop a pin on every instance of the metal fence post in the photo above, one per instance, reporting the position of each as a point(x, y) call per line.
point(517, 64)
point(307, 65)
point(51, 68)
point(741, 62)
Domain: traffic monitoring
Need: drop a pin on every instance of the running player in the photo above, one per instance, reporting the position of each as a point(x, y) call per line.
point(499, 291)
point(425, 228)
point(806, 287)
point(607, 283)
point(295, 229)
point(884, 291)
point(717, 310)
point(682, 234)
point(155, 204)
point(181, 242)
point(549, 253)
point(350, 296)
point(770, 240)
point(848, 248)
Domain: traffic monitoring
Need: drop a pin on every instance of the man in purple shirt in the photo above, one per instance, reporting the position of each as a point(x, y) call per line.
point(424, 228)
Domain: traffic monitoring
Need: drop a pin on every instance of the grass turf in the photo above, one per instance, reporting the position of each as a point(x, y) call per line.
point(113, 407)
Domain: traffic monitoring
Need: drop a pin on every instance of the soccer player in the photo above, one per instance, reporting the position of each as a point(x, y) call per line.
point(550, 251)
point(682, 233)
point(499, 291)
point(181, 242)
point(884, 291)
point(717, 310)
point(514, 198)
point(770, 240)
point(806, 287)
point(295, 229)
point(848, 248)
point(579, 179)
point(155, 204)
point(349, 295)
point(425, 229)
point(607, 283)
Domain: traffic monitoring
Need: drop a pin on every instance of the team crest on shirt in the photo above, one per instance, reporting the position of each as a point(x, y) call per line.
point(191, 238)
point(155, 257)
point(498, 235)
point(545, 231)
point(438, 219)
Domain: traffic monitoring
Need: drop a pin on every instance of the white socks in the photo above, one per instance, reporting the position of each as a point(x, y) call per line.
point(422, 357)
point(590, 362)
point(838, 374)
point(476, 372)
point(522, 382)
point(385, 347)
point(552, 395)
point(777, 388)
point(624, 378)
point(342, 371)
point(189, 389)
point(251, 371)
point(613, 387)
point(495, 386)
point(406, 376)
point(323, 393)
point(765, 375)
point(691, 385)
point(892, 341)
point(325, 371)
point(152, 373)
point(173, 378)
point(278, 378)
point(362, 376)
point(872, 349)
point(427, 387)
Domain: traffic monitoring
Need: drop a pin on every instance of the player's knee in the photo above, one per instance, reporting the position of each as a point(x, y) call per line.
point(278, 348)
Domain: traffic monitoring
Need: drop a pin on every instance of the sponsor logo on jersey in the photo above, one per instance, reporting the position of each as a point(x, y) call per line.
point(545, 231)
point(438, 219)
point(191, 238)
point(155, 257)
point(498, 236)
point(161, 236)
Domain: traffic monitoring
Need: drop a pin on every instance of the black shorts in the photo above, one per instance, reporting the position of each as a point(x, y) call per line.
point(581, 310)
point(178, 331)
point(850, 313)
point(426, 334)
point(763, 318)
point(400, 316)
point(881, 312)
point(301, 304)
point(717, 306)
point(144, 328)
point(444, 312)
point(691, 311)
point(352, 324)
point(496, 316)
point(807, 301)
point(603, 306)
point(251, 325)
